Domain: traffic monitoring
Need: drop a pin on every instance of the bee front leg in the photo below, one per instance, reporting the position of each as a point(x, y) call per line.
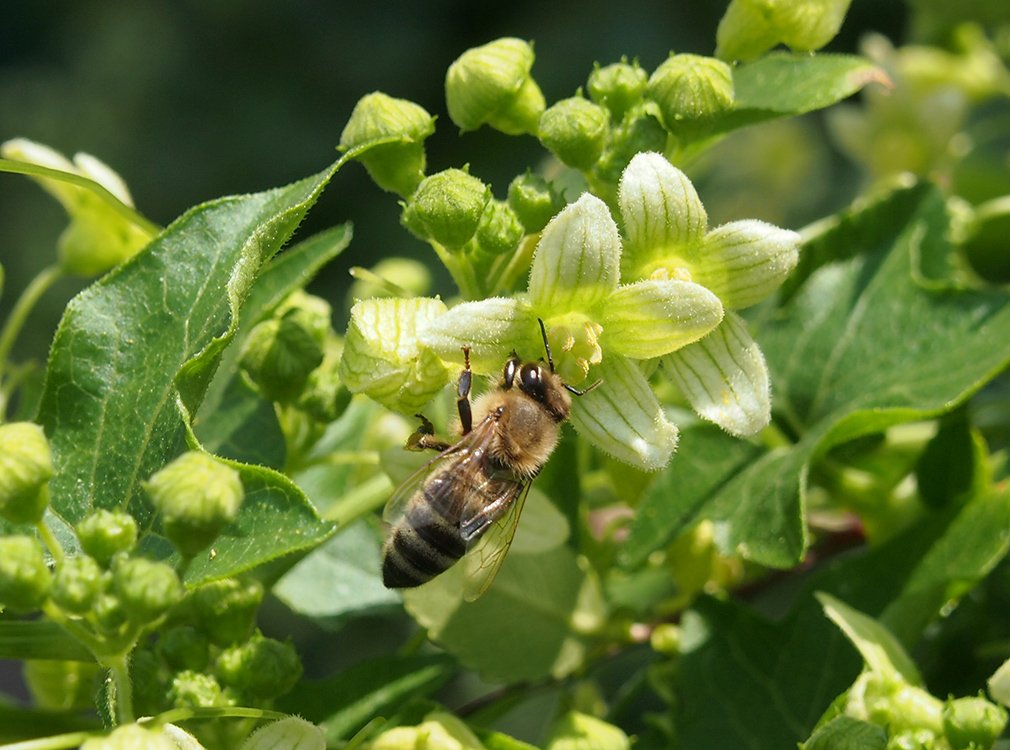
point(424, 438)
point(463, 394)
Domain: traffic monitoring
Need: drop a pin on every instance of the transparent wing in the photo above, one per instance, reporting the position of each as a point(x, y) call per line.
point(459, 458)
point(485, 559)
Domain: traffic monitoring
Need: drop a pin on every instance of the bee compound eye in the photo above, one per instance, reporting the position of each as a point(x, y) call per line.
point(531, 381)
point(510, 372)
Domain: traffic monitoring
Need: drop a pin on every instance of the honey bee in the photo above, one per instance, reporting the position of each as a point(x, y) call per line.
point(467, 500)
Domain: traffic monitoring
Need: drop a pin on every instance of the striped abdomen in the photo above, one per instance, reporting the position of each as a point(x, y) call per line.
point(426, 541)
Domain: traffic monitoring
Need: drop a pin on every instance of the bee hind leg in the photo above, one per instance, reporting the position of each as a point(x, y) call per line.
point(424, 438)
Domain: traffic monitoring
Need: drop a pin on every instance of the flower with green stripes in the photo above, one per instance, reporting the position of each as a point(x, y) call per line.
point(597, 328)
point(723, 375)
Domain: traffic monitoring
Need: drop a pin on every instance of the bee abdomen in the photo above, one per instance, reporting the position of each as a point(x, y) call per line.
point(420, 547)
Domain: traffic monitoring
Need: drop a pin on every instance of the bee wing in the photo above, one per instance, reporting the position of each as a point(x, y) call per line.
point(485, 559)
point(468, 449)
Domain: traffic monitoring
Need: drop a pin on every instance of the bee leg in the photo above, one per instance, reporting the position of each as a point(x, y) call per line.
point(424, 437)
point(463, 394)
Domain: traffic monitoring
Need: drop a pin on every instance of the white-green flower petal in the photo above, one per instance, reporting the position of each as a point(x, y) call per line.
point(491, 328)
point(651, 318)
point(622, 417)
point(745, 261)
point(384, 358)
point(660, 208)
point(578, 259)
point(725, 378)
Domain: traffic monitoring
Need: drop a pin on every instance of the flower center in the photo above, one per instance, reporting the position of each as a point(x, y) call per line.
point(575, 346)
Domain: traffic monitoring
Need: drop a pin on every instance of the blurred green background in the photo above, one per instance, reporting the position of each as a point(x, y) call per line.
point(190, 100)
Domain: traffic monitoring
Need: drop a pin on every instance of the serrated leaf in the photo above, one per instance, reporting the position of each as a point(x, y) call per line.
point(782, 84)
point(846, 733)
point(863, 345)
point(133, 356)
point(345, 703)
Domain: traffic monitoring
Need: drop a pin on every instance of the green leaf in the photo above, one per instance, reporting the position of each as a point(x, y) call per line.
point(862, 345)
point(19, 724)
point(243, 427)
point(782, 84)
point(846, 733)
point(734, 661)
point(339, 579)
point(133, 356)
point(345, 703)
point(880, 650)
point(39, 639)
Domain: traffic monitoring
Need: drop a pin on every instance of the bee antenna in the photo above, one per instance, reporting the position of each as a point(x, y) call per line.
point(582, 391)
point(547, 346)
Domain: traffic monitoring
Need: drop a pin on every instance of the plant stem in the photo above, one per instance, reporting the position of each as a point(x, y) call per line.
point(363, 499)
point(19, 313)
point(49, 538)
point(460, 270)
point(119, 665)
point(55, 742)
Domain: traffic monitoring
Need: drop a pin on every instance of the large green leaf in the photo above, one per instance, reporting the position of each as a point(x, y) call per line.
point(868, 341)
point(134, 353)
point(749, 681)
point(784, 83)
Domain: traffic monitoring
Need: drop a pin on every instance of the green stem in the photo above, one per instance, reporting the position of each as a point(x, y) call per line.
point(363, 499)
point(120, 667)
point(55, 742)
point(460, 270)
point(518, 264)
point(48, 537)
point(19, 313)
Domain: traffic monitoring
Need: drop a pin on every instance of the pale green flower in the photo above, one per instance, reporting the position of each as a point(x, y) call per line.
point(596, 328)
point(723, 375)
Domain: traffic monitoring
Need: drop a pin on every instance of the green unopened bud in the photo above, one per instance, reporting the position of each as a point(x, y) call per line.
point(972, 723)
point(108, 614)
point(292, 733)
point(398, 166)
point(534, 200)
point(24, 577)
point(196, 690)
point(383, 355)
point(446, 208)
point(578, 731)
point(665, 639)
point(184, 647)
point(132, 737)
point(279, 356)
point(146, 589)
point(105, 533)
point(312, 313)
point(260, 668)
point(691, 91)
point(618, 87)
point(26, 466)
point(77, 584)
point(98, 236)
point(640, 131)
point(226, 609)
point(751, 27)
point(197, 496)
point(324, 397)
point(905, 708)
point(62, 685)
point(499, 231)
point(438, 731)
point(575, 130)
point(491, 85)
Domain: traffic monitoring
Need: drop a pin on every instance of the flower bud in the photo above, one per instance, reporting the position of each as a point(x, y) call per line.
point(292, 733)
point(446, 208)
point(438, 731)
point(534, 200)
point(196, 690)
point(226, 609)
point(751, 27)
point(260, 668)
point(640, 131)
point(77, 584)
point(384, 358)
point(24, 578)
point(279, 355)
point(98, 237)
point(492, 85)
point(397, 166)
point(108, 614)
point(184, 647)
point(618, 87)
point(691, 91)
point(905, 708)
point(578, 731)
point(665, 639)
point(26, 465)
point(312, 313)
point(972, 722)
point(575, 130)
point(499, 231)
point(197, 496)
point(131, 737)
point(105, 533)
point(62, 685)
point(146, 589)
